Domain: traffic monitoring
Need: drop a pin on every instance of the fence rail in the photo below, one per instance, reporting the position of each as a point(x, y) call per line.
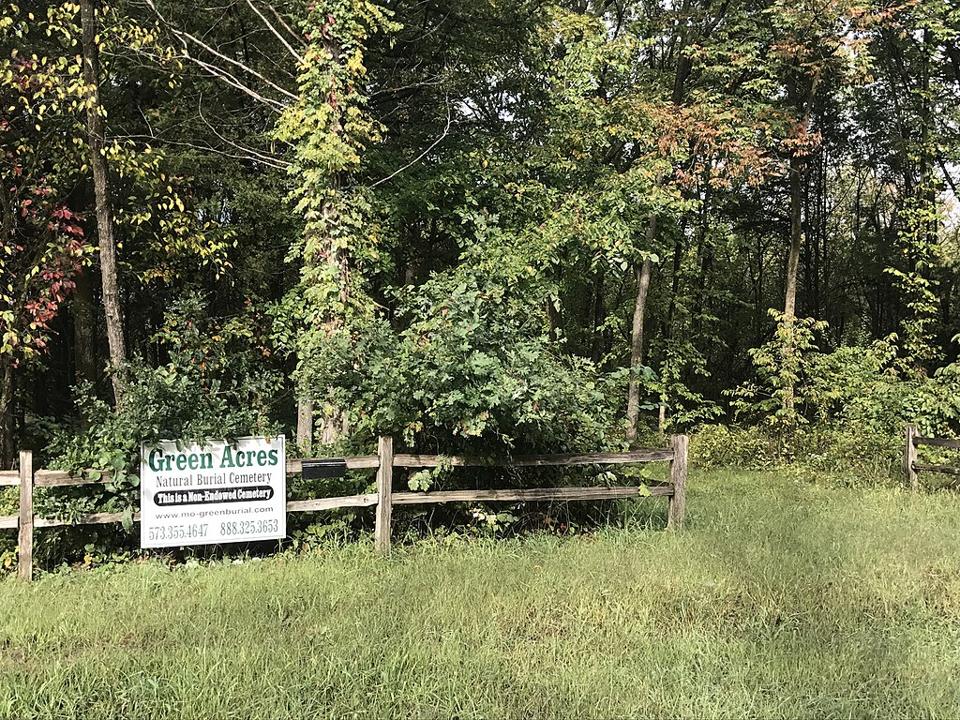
point(385, 498)
point(910, 464)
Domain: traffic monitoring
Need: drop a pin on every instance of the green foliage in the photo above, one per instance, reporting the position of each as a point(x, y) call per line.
point(781, 365)
point(851, 408)
point(918, 247)
point(215, 385)
point(464, 194)
point(44, 101)
point(487, 521)
point(475, 363)
point(716, 446)
point(327, 128)
point(683, 406)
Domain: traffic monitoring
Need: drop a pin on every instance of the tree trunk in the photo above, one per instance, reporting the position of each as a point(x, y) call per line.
point(305, 424)
point(6, 416)
point(334, 427)
point(84, 330)
point(793, 262)
point(98, 163)
point(796, 239)
point(636, 340)
point(599, 316)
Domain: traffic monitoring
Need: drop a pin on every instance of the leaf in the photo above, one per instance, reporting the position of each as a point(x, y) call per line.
point(126, 519)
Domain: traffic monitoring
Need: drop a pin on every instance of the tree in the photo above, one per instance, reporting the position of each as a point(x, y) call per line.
point(98, 163)
point(813, 53)
point(327, 128)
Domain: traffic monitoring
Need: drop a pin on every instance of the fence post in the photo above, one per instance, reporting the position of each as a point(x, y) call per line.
point(381, 533)
point(25, 540)
point(678, 477)
point(910, 457)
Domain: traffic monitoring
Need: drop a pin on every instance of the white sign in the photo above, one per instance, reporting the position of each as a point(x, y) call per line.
point(217, 492)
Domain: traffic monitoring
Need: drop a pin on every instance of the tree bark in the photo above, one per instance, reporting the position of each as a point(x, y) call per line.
point(84, 330)
point(793, 263)
point(599, 317)
point(636, 340)
point(305, 424)
point(796, 239)
point(98, 163)
point(6, 416)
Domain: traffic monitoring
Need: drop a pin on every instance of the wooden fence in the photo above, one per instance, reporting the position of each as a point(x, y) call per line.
point(385, 498)
point(910, 464)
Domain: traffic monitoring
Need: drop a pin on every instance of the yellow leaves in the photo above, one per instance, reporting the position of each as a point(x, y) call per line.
point(355, 64)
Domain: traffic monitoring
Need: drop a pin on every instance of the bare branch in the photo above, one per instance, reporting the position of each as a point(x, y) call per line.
point(184, 36)
point(272, 29)
point(254, 154)
point(232, 80)
point(422, 155)
point(278, 164)
point(286, 27)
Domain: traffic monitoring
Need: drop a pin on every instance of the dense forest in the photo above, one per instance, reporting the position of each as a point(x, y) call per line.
point(486, 224)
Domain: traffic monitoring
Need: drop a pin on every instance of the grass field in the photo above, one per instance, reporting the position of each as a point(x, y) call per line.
point(781, 599)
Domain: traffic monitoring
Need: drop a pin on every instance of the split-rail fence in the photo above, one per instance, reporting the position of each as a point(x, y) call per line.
point(385, 498)
point(914, 468)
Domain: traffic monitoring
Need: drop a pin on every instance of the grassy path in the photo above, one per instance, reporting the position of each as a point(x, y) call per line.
point(782, 599)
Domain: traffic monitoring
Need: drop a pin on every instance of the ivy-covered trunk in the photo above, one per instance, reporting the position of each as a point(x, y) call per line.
point(328, 127)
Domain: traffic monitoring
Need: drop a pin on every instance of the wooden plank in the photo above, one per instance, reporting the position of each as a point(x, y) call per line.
point(60, 478)
point(526, 494)
point(678, 478)
point(627, 458)
point(91, 519)
point(936, 442)
point(9, 477)
point(332, 503)
point(384, 520)
point(358, 462)
point(25, 538)
point(945, 469)
point(9, 522)
point(910, 456)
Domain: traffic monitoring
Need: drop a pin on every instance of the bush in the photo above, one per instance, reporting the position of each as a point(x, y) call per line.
point(713, 446)
point(850, 408)
point(214, 385)
point(473, 368)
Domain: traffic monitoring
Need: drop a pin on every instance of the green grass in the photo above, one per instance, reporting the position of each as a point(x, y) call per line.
point(781, 599)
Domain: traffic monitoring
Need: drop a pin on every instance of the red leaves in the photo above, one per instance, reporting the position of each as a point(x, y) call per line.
point(43, 254)
point(801, 142)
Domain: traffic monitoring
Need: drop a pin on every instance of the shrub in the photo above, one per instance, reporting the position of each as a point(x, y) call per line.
point(215, 384)
point(473, 368)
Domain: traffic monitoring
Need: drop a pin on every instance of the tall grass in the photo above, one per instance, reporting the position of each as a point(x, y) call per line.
point(781, 599)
